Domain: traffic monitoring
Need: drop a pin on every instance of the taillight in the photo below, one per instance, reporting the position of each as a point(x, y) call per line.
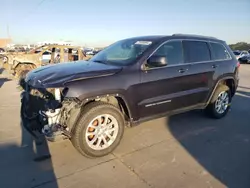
point(238, 64)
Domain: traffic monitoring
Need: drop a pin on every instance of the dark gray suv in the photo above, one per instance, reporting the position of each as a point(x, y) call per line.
point(132, 80)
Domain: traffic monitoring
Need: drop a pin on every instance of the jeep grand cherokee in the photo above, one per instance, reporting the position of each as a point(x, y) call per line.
point(132, 80)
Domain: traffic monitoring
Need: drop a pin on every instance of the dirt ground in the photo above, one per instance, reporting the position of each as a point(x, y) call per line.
point(186, 150)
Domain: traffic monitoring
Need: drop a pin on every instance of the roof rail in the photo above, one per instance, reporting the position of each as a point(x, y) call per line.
point(193, 35)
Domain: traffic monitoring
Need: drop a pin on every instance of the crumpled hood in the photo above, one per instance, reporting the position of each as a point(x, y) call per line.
point(52, 76)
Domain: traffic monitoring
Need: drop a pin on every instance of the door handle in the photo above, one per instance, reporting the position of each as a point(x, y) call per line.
point(182, 70)
point(214, 66)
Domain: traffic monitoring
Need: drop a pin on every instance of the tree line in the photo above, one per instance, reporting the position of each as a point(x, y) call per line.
point(240, 46)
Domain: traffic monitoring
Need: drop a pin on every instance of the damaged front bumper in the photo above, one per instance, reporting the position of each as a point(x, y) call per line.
point(46, 111)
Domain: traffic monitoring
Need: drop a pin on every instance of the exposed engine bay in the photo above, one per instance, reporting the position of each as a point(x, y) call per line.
point(48, 111)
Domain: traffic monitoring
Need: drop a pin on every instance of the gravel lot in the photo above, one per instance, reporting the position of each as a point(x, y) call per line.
point(186, 150)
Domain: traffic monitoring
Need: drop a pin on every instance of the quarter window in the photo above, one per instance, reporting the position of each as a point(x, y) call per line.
point(219, 51)
point(172, 51)
point(196, 51)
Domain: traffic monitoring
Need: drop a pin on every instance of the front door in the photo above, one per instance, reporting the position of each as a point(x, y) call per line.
point(163, 89)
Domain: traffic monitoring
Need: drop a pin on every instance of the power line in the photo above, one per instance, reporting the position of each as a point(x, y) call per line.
point(40, 3)
point(37, 6)
point(32, 11)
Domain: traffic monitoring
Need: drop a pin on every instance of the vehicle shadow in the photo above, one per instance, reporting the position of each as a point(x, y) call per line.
point(221, 147)
point(28, 165)
point(3, 80)
point(242, 87)
point(244, 93)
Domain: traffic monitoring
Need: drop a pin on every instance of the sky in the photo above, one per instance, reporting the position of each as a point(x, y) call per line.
point(101, 22)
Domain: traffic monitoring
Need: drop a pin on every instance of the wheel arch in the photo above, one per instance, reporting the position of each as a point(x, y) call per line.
point(229, 81)
point(115, 99)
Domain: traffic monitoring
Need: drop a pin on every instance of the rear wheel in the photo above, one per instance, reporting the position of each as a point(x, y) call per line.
point(220, 103)
point(99, 130)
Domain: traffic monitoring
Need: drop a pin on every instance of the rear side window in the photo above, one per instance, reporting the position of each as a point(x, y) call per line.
point(219, 51)
point(196, 51)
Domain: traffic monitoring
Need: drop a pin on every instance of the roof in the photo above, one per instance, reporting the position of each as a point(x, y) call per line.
point(155, 38)
point(193, 35)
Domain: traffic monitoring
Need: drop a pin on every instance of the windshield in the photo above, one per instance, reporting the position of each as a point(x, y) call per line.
point(123, 52)
point(236, 53)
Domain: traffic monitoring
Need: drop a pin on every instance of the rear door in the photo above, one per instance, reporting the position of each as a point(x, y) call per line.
point(202, 70)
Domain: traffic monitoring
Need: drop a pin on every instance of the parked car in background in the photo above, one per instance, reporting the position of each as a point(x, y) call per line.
point(96, 52)
point(131, 81)
point(90, 52)
point(239, 54)
point(245, 59)
point(19, 63)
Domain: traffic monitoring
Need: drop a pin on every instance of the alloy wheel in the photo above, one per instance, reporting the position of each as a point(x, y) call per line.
point(101, 132)
point(222, 102)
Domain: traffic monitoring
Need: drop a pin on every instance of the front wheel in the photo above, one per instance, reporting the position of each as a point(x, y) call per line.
point(99, 130)
point(220, 103)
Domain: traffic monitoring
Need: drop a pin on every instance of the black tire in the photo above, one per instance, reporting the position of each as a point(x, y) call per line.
point(210, 109)
point(91, 111)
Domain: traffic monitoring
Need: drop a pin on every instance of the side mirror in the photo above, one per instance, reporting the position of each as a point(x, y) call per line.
point(157, 61)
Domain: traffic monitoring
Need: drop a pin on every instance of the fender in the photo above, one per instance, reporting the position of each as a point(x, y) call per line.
point(216, 85)
point(85, 100)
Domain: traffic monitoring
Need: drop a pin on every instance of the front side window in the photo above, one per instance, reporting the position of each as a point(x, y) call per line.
point(172, 51)
point(219, 51)
point(196, 51)
point(123, 52)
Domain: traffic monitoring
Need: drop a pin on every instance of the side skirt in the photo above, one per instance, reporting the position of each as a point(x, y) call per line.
point(169, 113)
